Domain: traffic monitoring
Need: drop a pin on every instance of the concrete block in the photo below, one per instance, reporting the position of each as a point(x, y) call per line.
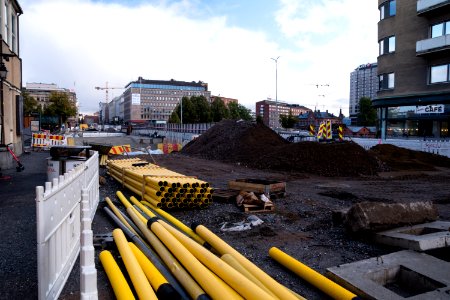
point(372, 217)
point(400, 275)
point(419, 237)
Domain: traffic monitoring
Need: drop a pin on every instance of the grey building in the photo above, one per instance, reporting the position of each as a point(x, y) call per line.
point(154, 100)
point(414, 68)
point(363, 83)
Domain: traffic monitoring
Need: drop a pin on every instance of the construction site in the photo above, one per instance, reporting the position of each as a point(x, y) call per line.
point(239, 212)
point(337, 221)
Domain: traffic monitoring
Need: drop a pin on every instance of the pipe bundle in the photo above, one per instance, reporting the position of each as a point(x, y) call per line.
point(189, 263)
point(159, 186)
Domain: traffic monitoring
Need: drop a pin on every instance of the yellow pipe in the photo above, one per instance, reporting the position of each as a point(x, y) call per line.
point(118, 282)
point(127, 204)
point(318, 280)
point(275, 287)
point(159, 283)
point(140, 282)
point(183, 277)
point(175, 222)
point(119, 215)
point(212, 286)
point(230, 260)
point(233, 278)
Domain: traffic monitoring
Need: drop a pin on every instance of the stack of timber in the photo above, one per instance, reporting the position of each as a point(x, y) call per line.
point(160, 186)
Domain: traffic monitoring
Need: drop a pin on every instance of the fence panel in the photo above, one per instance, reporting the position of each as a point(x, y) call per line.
point(59, 226)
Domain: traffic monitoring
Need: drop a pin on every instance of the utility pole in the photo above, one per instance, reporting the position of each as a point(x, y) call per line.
point(276, 90)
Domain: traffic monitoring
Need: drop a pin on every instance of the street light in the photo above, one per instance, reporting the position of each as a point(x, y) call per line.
point(276, 89)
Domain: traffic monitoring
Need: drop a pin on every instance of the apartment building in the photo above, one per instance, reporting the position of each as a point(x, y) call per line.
point(270, 111)
point(154, 101)
point(11, 103)
point(363, 83)
point(414, 68)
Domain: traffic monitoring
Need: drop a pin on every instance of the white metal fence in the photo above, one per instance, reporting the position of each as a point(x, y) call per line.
point(64, 213)
point(441, 147)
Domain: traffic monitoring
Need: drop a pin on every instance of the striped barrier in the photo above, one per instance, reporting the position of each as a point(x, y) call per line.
point(169, 148)
point(328, 130)
point(341, 133)
point(39, 140)
point(120, 149)
point(56, 140)
point(46, 141)
point(312, 131)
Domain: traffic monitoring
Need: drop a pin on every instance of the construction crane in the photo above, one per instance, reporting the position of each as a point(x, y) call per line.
point(107, 88)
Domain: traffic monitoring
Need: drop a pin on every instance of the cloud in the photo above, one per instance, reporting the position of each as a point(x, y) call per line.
point(82, 44)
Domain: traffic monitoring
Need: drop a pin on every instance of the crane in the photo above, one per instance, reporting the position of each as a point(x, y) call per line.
point(107, 88)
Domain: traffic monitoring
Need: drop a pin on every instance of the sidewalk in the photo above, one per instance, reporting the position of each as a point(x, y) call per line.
point(18, 250)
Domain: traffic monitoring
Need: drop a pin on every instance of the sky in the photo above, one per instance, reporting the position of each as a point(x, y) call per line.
point(229, 44)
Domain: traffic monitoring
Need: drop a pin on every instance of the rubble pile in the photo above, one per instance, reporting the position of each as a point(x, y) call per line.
point(255, 145)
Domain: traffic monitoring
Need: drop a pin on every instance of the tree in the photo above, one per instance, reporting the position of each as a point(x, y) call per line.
point(174, 118)
point(238, 111)
point(30, 104)
point(202, 109)
point(367, 115)
point(60, 106)
point(288, 121)
point(219, 110)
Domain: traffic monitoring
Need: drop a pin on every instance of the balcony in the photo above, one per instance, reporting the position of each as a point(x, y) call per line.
point(424, 6)
point(440, 43)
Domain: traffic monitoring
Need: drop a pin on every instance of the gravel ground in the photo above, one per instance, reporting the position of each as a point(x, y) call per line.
point(301, 224)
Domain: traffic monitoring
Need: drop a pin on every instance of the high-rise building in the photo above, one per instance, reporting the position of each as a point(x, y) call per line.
point(363, 83)
point(414, 68)
point(155, 100)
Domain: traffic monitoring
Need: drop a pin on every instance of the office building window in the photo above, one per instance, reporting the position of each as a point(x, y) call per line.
point(439, 74)
point(387, 45)
point(388, 9)
point(386, 81)
point(440, 29)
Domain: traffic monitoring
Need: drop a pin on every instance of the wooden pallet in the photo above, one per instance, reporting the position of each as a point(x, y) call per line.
point(268, 187)
point(224, 195)
point(250, 208)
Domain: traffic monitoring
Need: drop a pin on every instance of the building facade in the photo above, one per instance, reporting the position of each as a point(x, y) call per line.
point(11, 102)
point(41, 93)
point(363, 83)
point(154, 100)
point(270, 111)
point(413, 68)
point(225, 100)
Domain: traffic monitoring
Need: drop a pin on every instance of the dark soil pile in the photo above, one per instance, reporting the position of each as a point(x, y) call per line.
point(400, 159)
point(256, 145)
point(234, 141)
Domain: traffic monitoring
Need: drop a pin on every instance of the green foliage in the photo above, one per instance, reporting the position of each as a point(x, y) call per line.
point(288, 121)
point(367, 115)
point(30, 104)
point(219, 110)
point(238, 111)
point(259, 119)
point(60, 106)
point(174, 118)
point(196, 109)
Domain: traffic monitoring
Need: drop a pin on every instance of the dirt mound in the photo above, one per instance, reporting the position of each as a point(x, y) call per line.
point(234, 141)
point(256, 145)
point(400, 159)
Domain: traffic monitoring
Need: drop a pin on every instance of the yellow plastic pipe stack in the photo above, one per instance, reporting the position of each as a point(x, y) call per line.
point(161, 187)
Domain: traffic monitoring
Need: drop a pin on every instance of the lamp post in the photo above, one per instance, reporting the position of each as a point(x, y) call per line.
point(276, 90)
